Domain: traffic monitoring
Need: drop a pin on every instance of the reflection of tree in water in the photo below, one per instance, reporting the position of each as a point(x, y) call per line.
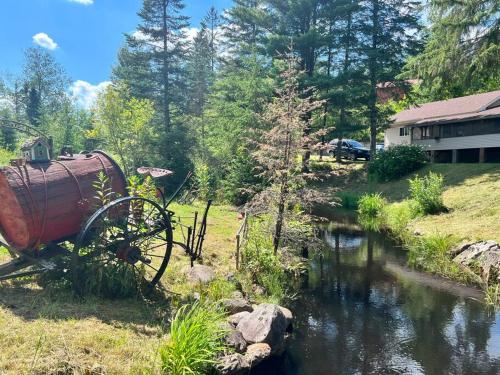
point(358, 319)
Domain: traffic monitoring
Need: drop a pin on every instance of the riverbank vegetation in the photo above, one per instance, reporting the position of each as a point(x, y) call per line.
point(426, 202)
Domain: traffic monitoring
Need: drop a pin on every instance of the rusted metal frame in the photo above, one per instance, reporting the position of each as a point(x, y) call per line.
point(202, 232)
point(241, 236)
point(11, 269)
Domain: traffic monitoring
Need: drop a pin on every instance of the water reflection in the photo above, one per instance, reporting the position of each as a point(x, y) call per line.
point(355, 317)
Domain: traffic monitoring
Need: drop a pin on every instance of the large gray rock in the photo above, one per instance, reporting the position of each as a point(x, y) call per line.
point(200, 274)
point(256, 353)
point(234, 306)
point(482, 258)
point(266, 324)
point(235, 318)
point(235, 340)
point(288, 316)
point(232, 364)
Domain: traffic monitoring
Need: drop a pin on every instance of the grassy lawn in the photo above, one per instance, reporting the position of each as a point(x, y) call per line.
point(47, 331)
point(472, 195)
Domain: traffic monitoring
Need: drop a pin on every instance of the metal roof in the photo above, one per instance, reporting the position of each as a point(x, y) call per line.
point(470, 107)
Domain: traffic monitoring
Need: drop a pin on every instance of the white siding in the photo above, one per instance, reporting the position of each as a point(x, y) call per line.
point(457, 143)
point(392, 137)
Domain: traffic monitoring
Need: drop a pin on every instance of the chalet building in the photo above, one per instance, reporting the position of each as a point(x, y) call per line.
point(460, 130)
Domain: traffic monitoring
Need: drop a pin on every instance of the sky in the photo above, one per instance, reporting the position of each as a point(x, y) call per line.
point(83, 35)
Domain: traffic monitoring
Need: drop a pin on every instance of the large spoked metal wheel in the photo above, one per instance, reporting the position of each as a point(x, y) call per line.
point(132, 234)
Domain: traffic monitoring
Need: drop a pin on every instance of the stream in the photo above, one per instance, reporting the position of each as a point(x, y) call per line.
point(361, 311)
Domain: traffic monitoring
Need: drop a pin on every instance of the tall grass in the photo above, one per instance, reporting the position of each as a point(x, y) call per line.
point(431, 253)
point(371, 210)
point(196, 337)
point(427, 191)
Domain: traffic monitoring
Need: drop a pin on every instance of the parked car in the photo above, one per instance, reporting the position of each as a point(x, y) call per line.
point(380, 147)
point(351, 149)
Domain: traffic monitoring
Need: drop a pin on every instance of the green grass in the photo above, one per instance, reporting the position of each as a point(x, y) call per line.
point(471, 195)
point(195, 339)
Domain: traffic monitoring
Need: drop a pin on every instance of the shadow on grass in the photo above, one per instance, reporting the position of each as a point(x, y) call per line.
point(30, 302)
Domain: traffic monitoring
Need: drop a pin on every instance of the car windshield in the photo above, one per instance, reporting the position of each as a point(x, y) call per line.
point(355, 144)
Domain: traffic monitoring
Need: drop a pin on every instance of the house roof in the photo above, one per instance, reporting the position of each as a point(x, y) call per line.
point(31, 142)
point(459, 109)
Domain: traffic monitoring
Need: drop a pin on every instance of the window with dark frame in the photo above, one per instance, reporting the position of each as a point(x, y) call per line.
point(404, 132)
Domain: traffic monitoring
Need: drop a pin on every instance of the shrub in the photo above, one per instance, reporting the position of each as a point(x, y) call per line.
point(431, 253)
point(427, 191)
point(398, 216)
point(396, 162)
point(196, 337)
point(370, 210)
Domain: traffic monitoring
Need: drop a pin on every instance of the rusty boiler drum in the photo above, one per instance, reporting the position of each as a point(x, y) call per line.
point(49, 201)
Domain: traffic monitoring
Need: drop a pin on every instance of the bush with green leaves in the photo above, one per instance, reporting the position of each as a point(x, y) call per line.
point(370, 210)
point(195, 340)
point(397, 161)
point(427, 191)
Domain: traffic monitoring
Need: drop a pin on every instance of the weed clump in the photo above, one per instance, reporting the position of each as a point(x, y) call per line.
point(196, 337)
point(427, 191)
point(371, 210)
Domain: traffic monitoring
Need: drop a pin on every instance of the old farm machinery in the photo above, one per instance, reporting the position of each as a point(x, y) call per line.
point(50, 210)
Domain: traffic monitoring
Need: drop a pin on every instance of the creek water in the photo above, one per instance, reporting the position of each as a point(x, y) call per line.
point(361, 311)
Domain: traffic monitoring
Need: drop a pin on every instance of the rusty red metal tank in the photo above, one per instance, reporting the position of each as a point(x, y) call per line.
point(48, 202)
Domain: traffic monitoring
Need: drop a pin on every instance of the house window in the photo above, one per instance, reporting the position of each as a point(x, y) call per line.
point(404, 132)
point(426, 132)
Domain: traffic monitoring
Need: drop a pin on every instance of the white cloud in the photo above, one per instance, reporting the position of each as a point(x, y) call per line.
point(85, 94)
point(45, 41)
point(190, 32)
point(84, 2)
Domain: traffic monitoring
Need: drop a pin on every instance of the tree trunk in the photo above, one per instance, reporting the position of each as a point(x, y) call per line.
point(373, 68)
point(166, 83)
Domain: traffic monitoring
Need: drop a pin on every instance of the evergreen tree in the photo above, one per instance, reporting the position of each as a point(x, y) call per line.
point(343, 86)
point(199, 72)
point(390, 30)
point(211, 23)
point(161, 37)
point(462, 53)
point(44, 84)
point(245, 25)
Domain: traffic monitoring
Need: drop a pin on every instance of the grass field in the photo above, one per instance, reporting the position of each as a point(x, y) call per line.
point(48, 331)
point(472, 195)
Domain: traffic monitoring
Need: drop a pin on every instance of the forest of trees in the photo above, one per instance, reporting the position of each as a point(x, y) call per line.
point(198, 104)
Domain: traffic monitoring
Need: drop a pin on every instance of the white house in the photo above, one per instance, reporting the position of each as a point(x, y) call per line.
point(465, 129)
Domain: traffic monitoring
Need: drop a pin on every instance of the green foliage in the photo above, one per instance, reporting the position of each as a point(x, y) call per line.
point(5, 156)
point(397, 216)
point(371, 210)
point(263, 266)
point(492, 296)
point(102, 187)
point(396, 162)
point(145, 188)
point(427, 191)
point(461, 52)
point(195, 339)
point(203, 180)
point(431, 253)
point(124, 123)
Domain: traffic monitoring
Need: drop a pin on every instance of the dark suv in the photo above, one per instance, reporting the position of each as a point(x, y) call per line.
point(351, 149)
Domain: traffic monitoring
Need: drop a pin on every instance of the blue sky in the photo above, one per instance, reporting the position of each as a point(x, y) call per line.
point(83, 35)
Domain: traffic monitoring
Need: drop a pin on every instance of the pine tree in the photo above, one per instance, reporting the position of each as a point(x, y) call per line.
point(199, 71)
point(245, 26)
point(211, 23)
point(161, 36)
point(462, 53)
point(391, 35)
point(343, 85)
